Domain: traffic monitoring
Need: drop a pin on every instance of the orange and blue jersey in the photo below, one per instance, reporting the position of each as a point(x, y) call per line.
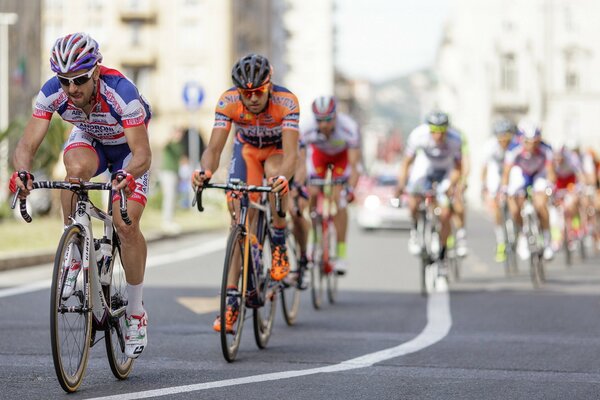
point(263, 129)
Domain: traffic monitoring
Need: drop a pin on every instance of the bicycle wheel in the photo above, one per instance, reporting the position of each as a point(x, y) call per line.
point(71, 318)
point(290, 293)
point(234, 255)
point(567, 244)
point(332, 276)
point(317, 273)
point(425, 259)
point(116, 297)
point(264, 317)
point(511, 266)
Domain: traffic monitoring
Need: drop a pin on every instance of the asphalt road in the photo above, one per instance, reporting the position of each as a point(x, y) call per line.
point(488, 337)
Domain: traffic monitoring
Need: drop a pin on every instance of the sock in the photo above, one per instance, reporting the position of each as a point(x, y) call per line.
point(499, 234)
point(547, 237)
point(279, 236)
point(134, 300)
point(341, 250)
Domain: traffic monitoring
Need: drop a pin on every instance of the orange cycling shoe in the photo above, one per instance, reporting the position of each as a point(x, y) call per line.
point(231, 312)
point(280, 266)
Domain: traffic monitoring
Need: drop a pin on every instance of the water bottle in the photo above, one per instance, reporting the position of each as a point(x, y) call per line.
point(105, 261)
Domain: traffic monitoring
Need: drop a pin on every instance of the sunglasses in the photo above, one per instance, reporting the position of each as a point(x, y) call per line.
point(437, 128)
point(325, 119)
point(259, 91)
point(77, 80)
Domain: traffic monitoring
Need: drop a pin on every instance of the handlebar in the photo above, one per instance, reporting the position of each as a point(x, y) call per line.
point(75, 185)
point(238, 186)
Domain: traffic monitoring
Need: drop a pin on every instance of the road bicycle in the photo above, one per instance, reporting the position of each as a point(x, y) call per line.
point(535, 240)
point(428, 236)
point(572, 235)
point(324, 240)
point(249, 252)
point(99, 299)
point(511, 265)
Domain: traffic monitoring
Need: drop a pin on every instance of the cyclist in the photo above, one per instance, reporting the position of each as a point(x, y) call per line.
point(529, 164)
point(458, 200)
point(266, 144)
point(110, 121)
point(569, 176)
point(333, 138)
point(591, 169)
point(435, 150)
point(491, 176)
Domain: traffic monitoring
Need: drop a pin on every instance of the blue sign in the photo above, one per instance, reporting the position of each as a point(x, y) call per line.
point(193, 95)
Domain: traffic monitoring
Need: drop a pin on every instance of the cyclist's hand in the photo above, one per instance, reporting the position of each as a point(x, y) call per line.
point(350, 195)
point(199, 177)
point(279, 184)
point(399, 191)
point(16, 183)
point(126, 182)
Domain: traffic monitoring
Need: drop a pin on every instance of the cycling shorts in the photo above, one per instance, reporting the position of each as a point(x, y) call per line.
point(318, 162)
point(111, 158)
point(421, 180)
point(518, 181)
point(566, 182)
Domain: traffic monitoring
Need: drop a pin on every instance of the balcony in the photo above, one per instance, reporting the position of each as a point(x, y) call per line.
point(143, 11)
point(508, 102)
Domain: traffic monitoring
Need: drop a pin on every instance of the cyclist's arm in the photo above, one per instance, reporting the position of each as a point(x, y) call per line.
point(353, 159)
point(404, 167)
point(289, 139)
point(456, 174)
point(212, 154)
point(484, 171)
point(300, 174)
point(32, 138)
point(550, 173)
point(139, 144)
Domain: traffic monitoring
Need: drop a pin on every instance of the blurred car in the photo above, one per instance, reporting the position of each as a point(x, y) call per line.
point(377, 208)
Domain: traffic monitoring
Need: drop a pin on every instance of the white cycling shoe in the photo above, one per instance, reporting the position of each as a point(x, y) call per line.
point(523, 248)
point(413, 243)
point(136, 337)
point(548, 253)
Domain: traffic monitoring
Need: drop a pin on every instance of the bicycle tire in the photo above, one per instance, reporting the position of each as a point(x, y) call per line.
point(70, 359)
point(290, 294)
point(263, 317)
point(511, 265)
point(116, 297)
point(332, 276)
point(317, 273)
point(425, 259)
point(566, 247)
point(230, 342)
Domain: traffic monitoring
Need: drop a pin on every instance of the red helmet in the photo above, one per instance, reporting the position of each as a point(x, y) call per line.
point(324, 107)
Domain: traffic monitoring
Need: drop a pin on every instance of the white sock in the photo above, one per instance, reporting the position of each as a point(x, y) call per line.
point(499, 234)
point(134, 299)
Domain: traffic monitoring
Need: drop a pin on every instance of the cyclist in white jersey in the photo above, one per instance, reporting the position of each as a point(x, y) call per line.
point(435, 150)
point(333, 138)
point(491, 175)
point(529, 164)
point(110, 121)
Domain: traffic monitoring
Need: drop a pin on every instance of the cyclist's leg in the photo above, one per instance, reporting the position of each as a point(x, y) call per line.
point(341, 169)
point(446, 214)
point(81, 160)
point(540, 202)
point(415, 188)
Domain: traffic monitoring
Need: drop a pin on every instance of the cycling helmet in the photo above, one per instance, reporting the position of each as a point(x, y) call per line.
point(74, 52)
point(529, 130)
point(251, 71)
point(324, 107)
point(437, 118)
point(503, 126)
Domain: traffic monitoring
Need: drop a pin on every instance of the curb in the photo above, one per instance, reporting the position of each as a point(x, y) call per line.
point(30, 259)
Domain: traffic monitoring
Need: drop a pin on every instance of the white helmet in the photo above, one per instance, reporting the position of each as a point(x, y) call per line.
point(74, 52)
point(323, 107)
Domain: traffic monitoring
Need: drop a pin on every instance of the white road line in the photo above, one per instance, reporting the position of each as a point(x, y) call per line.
point(439, 321)
point(204, 248)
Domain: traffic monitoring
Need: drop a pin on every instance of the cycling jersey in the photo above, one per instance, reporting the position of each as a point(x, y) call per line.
point(494, 160)
point(263, 129)
point(258, 136)
point(323, 150)
point(118, 106)
point(570, 165)
point(528, 168)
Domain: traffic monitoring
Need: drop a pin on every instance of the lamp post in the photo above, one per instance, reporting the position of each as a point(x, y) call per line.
point(6, 19)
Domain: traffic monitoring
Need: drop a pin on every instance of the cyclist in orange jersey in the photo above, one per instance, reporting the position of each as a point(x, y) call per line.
point(266, 118)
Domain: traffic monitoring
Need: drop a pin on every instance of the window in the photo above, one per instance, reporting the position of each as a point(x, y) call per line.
point(571, 79)
point(508, 73)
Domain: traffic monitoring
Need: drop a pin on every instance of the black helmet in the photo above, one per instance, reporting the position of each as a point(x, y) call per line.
point(503, 126)
point(437, 118)
point(251, 71)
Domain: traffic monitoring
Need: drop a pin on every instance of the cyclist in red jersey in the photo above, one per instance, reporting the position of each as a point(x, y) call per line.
point(266, 144)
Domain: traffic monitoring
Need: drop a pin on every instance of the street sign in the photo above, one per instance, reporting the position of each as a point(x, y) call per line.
point(193, 95)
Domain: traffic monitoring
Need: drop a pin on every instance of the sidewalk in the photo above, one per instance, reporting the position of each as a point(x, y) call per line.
point(24, 244)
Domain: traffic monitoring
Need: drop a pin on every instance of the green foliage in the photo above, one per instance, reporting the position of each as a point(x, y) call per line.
point(49, 152)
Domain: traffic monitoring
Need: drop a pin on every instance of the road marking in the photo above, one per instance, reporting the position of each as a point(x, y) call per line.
point(207, 247)
point(439, 321)
point(201, 305)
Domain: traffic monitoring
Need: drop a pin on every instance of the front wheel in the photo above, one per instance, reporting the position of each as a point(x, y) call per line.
point(114, 337)
point(317, 273)
point(234, 262)
point(332, 275)
point(70, 317)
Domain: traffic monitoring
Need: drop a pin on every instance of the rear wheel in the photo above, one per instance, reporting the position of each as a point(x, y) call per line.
point(317, 275)
point(71, 318)
point(332, 276)
point(290, 295)
point(116, 296)
point(234, 259)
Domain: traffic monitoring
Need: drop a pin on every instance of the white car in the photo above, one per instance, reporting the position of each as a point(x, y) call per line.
point(377, 208)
